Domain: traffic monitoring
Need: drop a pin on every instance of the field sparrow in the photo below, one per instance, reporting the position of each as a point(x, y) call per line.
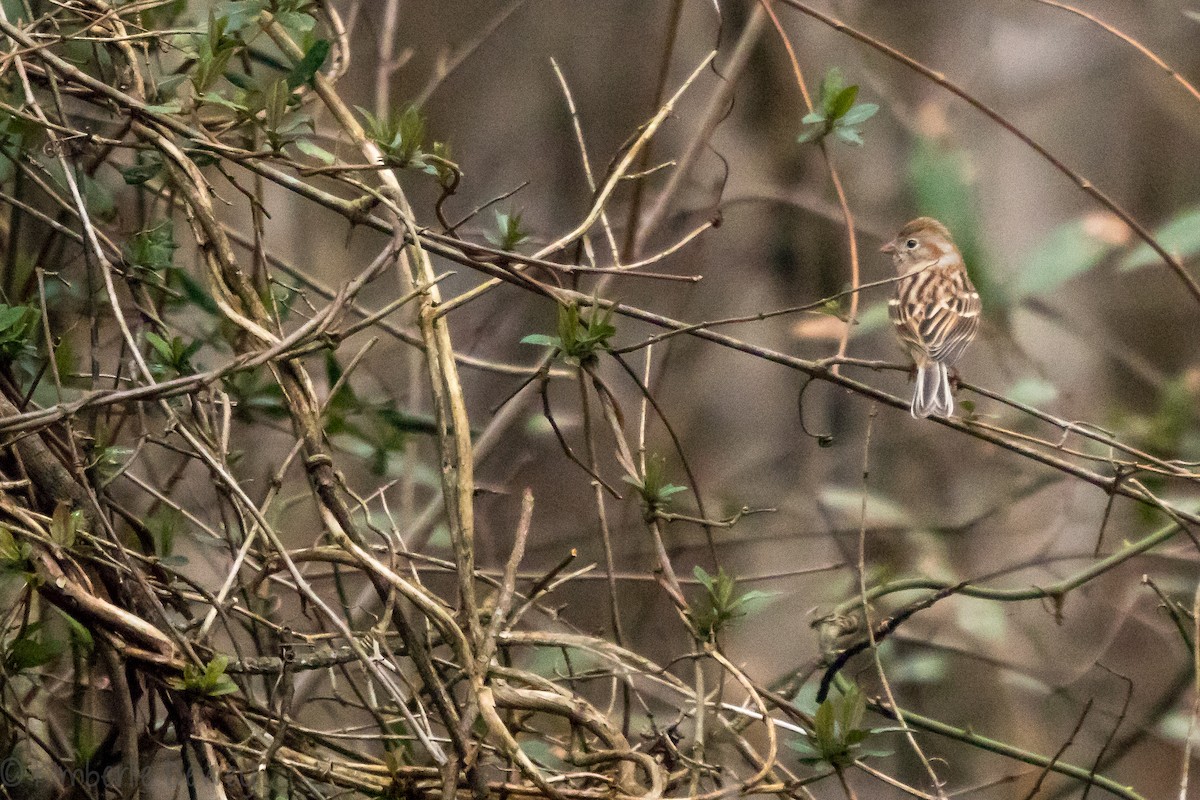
point(935, 311)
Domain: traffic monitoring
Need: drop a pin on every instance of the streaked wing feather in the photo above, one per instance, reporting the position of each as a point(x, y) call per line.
point(958, 322)
point(936, 314)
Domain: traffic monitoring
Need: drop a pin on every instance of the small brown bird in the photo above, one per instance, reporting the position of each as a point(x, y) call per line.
point(935, 311)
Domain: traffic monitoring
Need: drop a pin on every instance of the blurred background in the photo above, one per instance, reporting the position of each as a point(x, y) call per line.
point(1082, 321)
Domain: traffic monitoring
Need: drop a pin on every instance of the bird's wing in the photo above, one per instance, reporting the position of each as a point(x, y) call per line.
point(936, 313)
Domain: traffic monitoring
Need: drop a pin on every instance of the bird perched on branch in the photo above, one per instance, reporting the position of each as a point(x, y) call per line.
point(935, 310)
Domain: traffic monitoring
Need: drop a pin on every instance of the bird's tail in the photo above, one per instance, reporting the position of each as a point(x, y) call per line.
point(932, 394)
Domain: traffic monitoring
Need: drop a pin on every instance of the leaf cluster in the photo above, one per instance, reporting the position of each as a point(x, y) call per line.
point(400, 134)
point(652, 485)
point(580, 337)
point(721, 605)
point(838, 114)
point(31, 649)
point(65, 524)
point(209, 681)
point(15, 555)
point(509, 233)
point(214, 48)
point(837, 738)
point(18, 328)
point(172, 357)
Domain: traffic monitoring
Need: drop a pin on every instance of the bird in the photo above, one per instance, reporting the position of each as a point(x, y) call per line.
point(935, 311)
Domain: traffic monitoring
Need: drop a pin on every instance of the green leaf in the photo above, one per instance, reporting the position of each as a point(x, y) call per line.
point(841, 103)
point(804, 749)
point(941, 180)
point(853, 707)
point(18, 328)
point(756, 596)
point(10, 316)
point(79, 633)
point(1068, 251)
point(831, 87)
point(881, 511)
point(509, 233)
point(542, 340)
point(153, 249)
point(865, 753)
point(848, 135)
point(140, 173)
point(211, 680)
point(296, 22)
point(160, 345)
point(240, 14)
point(408, 423)
point(1033, 391)
point(312, 149)
point(31, 650)
point(14, 554)
point(859, 114)
point(1179, 237)
point(64, 524)
point(856, 736)
point(702, 576)
point(306, 69)
point(812, 118)
point(823, 722)
point(216, 98)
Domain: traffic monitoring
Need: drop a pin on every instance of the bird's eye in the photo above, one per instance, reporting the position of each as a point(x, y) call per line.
point(910, 244)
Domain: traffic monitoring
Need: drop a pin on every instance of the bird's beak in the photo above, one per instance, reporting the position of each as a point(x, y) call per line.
point(890, 247)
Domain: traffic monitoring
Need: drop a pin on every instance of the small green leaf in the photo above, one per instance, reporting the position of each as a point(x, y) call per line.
point(1032, 391)
point(240, 14)
point(1180, 237)
point(215, 98)
point(852, 708)
point(296, 22)
point(823, 722)
point(140, 173)
point(310, 148)
point(943, 185)
point(509, 233)
point(80, 635)
point(859, 114)
point(308, 66)
point(842, 103)
point(173, 107)
point(31, 650)
point(211, 680)
point(831, 87)
point(15, 555)
point(873, 753)
point(160, 345)
point(1068, 251)
point(542, 340)
point(64, 524)
point(10, 316)
point(804, 749)
point(153, 249)
point(881, 511)
point(848, 135)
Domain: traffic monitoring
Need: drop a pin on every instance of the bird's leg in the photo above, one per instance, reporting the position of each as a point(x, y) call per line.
point(952, 374)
